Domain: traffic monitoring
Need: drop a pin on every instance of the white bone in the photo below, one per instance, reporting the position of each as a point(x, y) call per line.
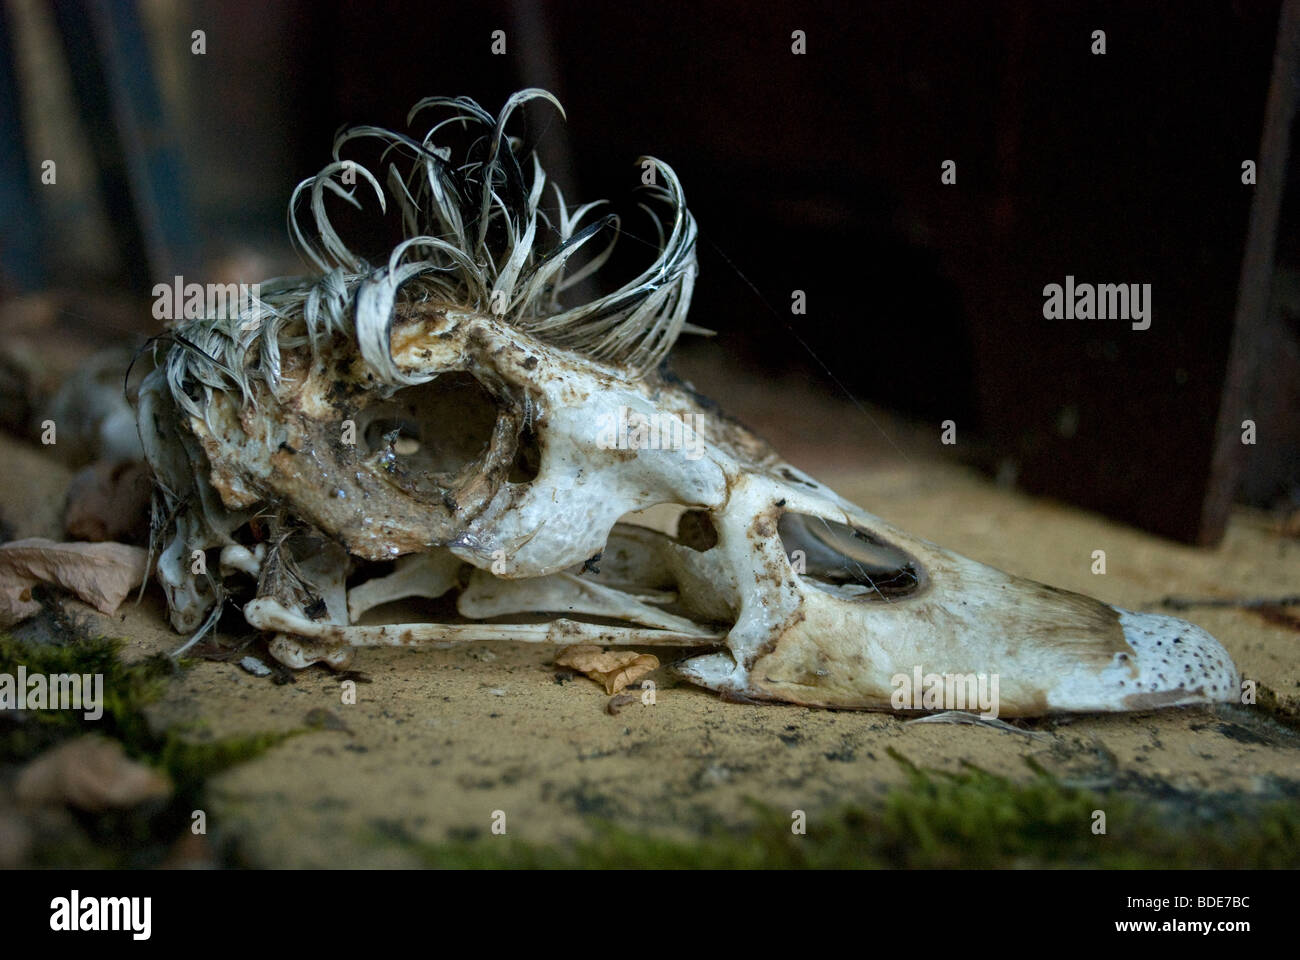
point(489, 596)
point(428, 575)
point(265, 613)
point(238, 558)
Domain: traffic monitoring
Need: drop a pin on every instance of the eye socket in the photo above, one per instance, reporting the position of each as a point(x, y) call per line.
point(849, 562)
point(439, 427)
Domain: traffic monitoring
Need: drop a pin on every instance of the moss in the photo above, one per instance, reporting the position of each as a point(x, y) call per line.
point(135, 837)
point(936, 819)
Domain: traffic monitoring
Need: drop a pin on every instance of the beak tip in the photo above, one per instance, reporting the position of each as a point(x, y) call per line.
point(1176, 662)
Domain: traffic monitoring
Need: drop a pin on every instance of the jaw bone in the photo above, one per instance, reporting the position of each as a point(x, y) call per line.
point(479, 465)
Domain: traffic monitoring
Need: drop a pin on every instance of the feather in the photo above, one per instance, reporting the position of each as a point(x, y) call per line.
point(474, 237)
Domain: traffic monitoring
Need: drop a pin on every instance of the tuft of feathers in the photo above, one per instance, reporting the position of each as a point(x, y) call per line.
point(474, 238)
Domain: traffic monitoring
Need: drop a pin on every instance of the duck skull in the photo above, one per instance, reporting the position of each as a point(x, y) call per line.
point(440, 428)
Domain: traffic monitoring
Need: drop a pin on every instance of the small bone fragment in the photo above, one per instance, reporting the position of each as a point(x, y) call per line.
point(235, 557)
point(255, 666)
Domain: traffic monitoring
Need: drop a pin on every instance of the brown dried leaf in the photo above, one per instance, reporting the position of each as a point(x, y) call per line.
point(615, 669)
point(90, 773)
point(102, 574)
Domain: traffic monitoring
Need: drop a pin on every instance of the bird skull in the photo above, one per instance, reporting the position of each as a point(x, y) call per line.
point(441, 429)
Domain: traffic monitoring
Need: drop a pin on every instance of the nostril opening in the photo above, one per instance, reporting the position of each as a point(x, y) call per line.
point(847, 561)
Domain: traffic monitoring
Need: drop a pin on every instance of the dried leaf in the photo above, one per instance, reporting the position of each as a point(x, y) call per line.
point(101, 574)
point(90, 773)
point(615, 669)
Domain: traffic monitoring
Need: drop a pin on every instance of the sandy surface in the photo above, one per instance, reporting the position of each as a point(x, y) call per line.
point(439, 740)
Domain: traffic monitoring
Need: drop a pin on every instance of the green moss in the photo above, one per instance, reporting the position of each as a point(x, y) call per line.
point(127, 690)
point(137, 837)
point(937, 819)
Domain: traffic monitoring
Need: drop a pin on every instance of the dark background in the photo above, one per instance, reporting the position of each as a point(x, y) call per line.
point(821, 173)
